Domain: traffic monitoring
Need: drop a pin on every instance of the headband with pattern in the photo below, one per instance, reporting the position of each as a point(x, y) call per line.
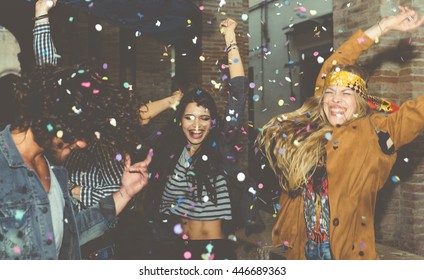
point(358, 85)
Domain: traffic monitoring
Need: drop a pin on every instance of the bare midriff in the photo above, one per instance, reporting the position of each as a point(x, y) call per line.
point(201, 230)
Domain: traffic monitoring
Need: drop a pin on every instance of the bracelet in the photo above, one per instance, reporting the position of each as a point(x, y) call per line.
point(40, 17)
point(233, 48)
point(227, 49)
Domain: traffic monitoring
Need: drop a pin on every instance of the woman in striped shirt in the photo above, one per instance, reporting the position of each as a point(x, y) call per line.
point(189, 173)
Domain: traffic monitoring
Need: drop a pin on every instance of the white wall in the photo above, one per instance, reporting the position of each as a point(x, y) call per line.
point(269, 70)
point(9, 50)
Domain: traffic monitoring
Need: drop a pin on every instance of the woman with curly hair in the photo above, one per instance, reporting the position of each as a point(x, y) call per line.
point(333, 154)
point(37, 220)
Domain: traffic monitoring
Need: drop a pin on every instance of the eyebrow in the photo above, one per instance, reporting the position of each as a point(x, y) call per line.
point(198, 115)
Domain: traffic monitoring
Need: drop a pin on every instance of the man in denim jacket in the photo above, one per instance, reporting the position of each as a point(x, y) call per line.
point(37, 220)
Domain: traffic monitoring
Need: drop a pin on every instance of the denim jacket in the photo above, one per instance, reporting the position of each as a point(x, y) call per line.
point(26, 229)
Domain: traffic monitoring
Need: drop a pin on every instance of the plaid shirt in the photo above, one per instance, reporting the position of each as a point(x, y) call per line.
point(94, 169)
point(45, 52)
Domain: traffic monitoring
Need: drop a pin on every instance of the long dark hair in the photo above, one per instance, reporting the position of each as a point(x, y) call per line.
point(76, 103)
point(203, 172)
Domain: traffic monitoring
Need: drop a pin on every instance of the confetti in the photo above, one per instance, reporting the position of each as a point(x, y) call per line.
point(296, 143)
point(76, 110)
point(98, 27)
point(50, 127)
point(280, 102)
point(395, 179)
point(86, 84)
point(187, 255)
point(205, 157)
point(252, 191)
point(260, 186)
point(241, 177)
point(178, 229)
point(17, 250)
point(112, 122)
point(205, 198)
point(118, 157)
point(59, 133)
point(328, 136)
point(244, 17)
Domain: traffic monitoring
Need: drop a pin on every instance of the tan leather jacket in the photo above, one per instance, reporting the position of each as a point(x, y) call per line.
point(357, 168)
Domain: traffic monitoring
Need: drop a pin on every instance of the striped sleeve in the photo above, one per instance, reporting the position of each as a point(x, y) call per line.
point(44, 49)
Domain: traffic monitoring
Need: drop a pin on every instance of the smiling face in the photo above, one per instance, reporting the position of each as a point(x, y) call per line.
point(339, 104)
point(196, 124)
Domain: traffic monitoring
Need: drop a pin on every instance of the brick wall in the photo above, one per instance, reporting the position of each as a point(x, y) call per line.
point(397, 68)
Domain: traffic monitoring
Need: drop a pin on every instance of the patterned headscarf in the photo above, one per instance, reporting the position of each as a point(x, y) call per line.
point(358, 85)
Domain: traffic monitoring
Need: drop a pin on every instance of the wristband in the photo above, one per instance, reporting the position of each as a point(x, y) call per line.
point(40, 17)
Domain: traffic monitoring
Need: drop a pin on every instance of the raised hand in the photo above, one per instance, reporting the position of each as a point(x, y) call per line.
point(43, 7)
point(406, 20)
point(227, 25)
point(135, 177)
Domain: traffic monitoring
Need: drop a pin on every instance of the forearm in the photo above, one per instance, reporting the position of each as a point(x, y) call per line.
point(234, 59)
point(121, 199)
point(90, 196)
point(44, 49)
point(152, 109)
point(346, 54)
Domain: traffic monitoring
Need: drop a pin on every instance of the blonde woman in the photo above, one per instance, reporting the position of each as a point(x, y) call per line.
point(333, 154)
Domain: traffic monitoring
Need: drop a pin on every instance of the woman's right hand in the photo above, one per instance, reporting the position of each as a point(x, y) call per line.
point(175, 98)
point(227, 25)
point(406, 20)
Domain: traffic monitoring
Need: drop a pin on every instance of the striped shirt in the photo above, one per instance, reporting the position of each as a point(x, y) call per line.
point(96, 170)
point(178, 197)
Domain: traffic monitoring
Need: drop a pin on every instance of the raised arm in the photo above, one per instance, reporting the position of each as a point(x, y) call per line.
point(235, 64)
point(237, 85)
point(360, 41)
point(152, 109)
point(44, 49)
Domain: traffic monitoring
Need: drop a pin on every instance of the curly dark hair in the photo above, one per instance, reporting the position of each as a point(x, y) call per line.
point(77, 103)
point(173, 141)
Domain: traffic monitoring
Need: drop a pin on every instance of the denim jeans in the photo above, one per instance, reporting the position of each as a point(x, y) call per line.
point(317, 251)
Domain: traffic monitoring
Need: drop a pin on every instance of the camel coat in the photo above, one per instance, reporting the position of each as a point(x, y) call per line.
point(357, 169)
